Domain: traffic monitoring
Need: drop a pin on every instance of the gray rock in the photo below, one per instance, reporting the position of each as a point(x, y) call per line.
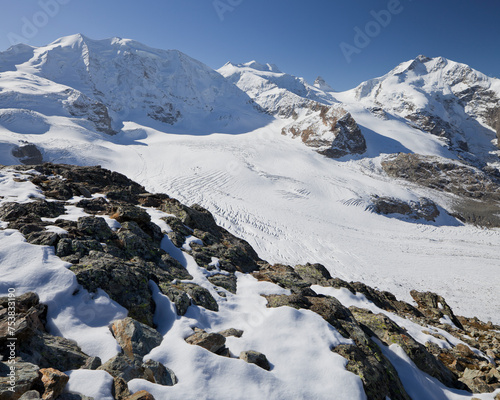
point(28, 377)
point(434, 306)
point(30, 395)
point(254, 357)
point(231, 332)
point(43, 238)
point(161, 374)
point(95, 227)
point(423, 208)
point(137, 243)
point(177, 296)
point(11, 211)
point(200, 296)
point(213, 342)
point(92, 363)
point(136, 339)
point(123, 367)
point(28, 154)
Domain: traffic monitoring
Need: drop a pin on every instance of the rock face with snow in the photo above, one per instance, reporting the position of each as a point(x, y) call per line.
point(444, 98)
point(309, 109)
point(330, 130)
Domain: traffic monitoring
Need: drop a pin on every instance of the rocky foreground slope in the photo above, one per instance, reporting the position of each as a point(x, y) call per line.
point(131, 257)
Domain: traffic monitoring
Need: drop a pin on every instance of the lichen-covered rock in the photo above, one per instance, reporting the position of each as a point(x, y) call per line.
point(177, 296)
point(34, 344)
point(95, 227)
point(282, 275)
point(54, 382)
point(254, 357)
point(136, 242)
point(125, 282)
point(314, 274)
point(233, 253)
point(388, 332)
point(136, 339)
point(227, 282)
point(11, 211)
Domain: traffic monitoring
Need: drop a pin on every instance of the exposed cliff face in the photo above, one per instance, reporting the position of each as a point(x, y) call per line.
point(330, 130)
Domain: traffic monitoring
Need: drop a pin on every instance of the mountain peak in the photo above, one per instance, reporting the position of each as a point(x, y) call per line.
point(321, 84)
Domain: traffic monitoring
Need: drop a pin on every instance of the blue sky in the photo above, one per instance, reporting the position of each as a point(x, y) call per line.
point(303, 38)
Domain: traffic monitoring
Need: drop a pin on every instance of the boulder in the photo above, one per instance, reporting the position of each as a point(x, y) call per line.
point(135, 338)
point(254, 357)
point(124, 367)
point(200, 296)
point(54, 382)
point(161, 375)
point(27, 377)
point(213, 342)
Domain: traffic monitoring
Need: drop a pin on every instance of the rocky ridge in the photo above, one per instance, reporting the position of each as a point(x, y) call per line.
point(131, 255)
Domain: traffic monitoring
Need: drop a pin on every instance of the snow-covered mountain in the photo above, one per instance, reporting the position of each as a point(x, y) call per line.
point(407, 198)
point(116, 80)
point(447, 99)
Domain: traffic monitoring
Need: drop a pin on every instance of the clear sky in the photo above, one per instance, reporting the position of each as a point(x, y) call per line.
point(346, 42)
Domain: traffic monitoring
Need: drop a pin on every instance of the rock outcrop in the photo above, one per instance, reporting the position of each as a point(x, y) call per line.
point(330, 130)
point(476, 192)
